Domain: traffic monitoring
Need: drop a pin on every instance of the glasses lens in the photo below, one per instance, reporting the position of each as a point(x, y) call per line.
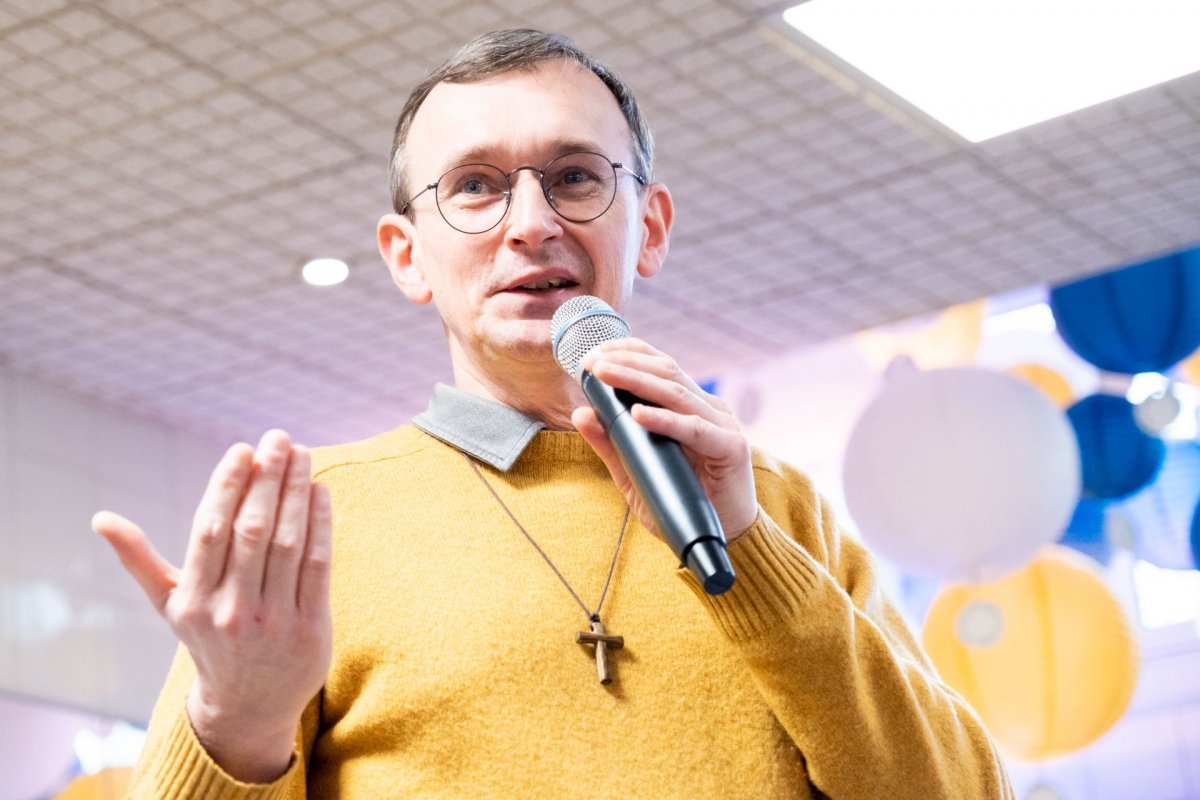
point(580, 186)
point(473, 197)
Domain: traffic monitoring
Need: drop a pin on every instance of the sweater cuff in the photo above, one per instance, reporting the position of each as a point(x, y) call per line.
point(775, 579)
point(184, 768)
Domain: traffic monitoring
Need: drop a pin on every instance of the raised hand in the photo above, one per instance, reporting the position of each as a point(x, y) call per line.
point(251, 603)
point(703, 424)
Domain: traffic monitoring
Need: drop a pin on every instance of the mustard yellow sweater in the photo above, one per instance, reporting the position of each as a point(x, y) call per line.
point(456, 673)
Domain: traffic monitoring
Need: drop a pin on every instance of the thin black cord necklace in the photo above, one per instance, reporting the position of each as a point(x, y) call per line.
point(598, 637)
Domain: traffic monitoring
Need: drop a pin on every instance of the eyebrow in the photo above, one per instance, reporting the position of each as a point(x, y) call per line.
point(487, 154)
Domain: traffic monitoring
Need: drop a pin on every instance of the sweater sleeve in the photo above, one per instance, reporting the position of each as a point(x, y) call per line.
point(837, 664)
point(174, 764)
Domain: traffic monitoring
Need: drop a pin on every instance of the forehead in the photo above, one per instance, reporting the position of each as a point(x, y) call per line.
point(519, 117)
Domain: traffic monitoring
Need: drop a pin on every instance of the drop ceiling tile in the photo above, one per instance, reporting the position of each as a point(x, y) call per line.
point(260, 139)
point(31, 74)
point(207, 44)
point(170, 22)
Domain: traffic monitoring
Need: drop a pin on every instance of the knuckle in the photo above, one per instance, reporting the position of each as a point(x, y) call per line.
point(317, 562)
point(286, 546)
point(228, 624)
point(272, 464)
point(191, 615)
point(211, 530)
point(742, 445)
point(251, 527)
point(238, 622)
point(231, 482)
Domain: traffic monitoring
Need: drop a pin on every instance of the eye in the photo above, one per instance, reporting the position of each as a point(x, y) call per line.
point(572, 175)
point(472, 183)
point(476, 184)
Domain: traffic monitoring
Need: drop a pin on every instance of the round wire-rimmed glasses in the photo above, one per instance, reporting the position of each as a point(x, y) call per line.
point(473, 198)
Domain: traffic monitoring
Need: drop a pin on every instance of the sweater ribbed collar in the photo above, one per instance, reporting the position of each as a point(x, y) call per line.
point(489, 431)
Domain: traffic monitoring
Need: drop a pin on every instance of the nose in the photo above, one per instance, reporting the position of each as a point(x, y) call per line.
point(531, 220)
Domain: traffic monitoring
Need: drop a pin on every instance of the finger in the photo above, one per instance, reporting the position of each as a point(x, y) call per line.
point(693, 432)
point(615, 346)
point(635, 352)
point(291, 533)
point(629, 343)
point(255, 521)
point(661, 365)
point(212, 525)
point(312, 595)
point(657, 390)
point(157, 577)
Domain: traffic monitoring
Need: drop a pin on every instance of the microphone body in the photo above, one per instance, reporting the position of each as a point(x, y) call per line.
point(656, 464)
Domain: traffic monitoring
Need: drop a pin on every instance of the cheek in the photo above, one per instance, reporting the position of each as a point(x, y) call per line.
point(623, 229)
point(450, 263)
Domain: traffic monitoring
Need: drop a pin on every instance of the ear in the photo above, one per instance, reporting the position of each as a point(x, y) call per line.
point(657, 217)
point(397, 240)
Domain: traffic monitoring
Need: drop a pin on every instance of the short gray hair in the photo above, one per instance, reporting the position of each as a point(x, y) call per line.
point(503, 51)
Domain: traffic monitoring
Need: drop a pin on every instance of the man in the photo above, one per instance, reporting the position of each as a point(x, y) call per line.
point(491, 622)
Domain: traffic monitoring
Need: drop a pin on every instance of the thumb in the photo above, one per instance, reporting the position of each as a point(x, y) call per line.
point(157, 576)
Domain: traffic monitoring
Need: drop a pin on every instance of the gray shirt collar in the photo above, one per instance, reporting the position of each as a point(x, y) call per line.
point(489, 431)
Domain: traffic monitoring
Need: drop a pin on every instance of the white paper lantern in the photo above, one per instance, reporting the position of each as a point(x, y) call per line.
point(961, 473)
point(37, 748)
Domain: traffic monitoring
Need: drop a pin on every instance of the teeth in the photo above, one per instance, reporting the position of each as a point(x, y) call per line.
point(553, 283)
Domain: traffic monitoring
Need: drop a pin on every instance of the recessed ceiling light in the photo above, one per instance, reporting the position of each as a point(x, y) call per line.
point(325, 272)
point(987, 67)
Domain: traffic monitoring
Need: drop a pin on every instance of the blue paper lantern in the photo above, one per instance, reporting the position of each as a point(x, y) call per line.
point(1143, 318)
point(1085, 531)
point(1118, 457)
point(1161, 514)
point(1196, 537)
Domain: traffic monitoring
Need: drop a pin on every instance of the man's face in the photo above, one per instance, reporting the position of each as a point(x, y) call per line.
point(521, 118)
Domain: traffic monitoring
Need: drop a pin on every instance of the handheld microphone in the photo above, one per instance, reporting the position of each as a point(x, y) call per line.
point(655, 463)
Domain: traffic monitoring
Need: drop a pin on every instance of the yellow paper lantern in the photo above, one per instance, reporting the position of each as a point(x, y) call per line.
point(1051, 383)
point(951, 339)
point(1046, 655)
point(107, 784)
point(1190, 368)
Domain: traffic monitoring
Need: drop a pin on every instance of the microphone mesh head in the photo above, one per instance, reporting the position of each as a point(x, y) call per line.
point(581, 324)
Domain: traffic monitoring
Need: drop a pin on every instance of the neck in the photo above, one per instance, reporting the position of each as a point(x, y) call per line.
point(540, 390)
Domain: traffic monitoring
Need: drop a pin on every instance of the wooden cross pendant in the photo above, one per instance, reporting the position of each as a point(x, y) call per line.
point(600, 638)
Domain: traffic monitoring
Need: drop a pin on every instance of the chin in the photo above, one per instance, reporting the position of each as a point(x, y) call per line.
point(526, 340)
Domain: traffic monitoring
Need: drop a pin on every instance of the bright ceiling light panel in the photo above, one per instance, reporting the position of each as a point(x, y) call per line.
point(987, 67)
point(325, 272)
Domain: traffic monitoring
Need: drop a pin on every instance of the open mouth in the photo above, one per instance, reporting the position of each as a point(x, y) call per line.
point(544, 286)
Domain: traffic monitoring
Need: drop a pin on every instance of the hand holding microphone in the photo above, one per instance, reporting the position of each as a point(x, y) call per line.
point(676, 452)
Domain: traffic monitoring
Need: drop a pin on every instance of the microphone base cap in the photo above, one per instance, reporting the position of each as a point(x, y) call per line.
point(709, 562)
